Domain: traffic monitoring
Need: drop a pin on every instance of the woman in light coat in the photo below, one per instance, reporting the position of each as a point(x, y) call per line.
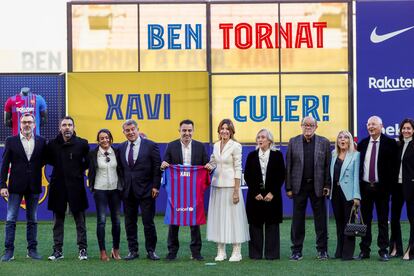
point(227, 221)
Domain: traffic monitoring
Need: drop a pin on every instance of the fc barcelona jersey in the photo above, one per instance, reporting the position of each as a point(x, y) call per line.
point(20, 104)
point(185, 186)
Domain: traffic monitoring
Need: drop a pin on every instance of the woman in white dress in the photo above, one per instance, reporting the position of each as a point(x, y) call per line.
point(227, 220)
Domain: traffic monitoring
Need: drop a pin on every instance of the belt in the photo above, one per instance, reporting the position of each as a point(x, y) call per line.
point(371, 184)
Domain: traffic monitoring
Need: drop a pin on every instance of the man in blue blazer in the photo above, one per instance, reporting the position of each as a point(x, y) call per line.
point(185, 151)
point(26, 154)
point(140, 162)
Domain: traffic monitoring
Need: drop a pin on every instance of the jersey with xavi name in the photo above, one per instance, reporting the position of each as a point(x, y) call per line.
point(185, 187)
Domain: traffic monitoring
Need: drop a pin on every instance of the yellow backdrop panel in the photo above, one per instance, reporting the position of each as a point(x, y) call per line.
point(158, 101)
point(322, 96)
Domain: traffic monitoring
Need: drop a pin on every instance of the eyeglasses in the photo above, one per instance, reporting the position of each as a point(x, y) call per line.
point(107, 159)
point(308, 125)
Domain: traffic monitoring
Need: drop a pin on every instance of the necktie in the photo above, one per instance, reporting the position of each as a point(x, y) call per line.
point(131, 155)
point(371, 176)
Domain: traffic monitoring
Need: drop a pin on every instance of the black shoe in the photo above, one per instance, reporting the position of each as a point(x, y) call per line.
point(197, 257)
point(362, 256)
point(32, 253)
point(322, 256)
point(83, 255)
point(8, 256)
point(131, 256)
point(152, 256)
point(296, 257)
point(171, 257)
point(56, 255)
point(384, 257)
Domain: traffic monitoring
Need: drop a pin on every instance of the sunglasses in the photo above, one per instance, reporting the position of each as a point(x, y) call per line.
point(107, 159)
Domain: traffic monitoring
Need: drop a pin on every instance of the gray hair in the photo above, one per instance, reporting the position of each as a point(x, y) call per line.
point(269, 137)
point(130, 122)
point(376, 118)
point(309, 118)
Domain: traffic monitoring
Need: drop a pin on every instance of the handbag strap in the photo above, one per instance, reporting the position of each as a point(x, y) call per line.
point(358, 216)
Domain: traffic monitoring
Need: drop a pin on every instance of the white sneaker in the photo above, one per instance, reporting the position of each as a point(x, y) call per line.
point(236, 254)
point(83, 255)
point(221, 252)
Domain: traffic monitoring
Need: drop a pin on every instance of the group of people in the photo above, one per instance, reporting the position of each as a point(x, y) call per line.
point(352, 176)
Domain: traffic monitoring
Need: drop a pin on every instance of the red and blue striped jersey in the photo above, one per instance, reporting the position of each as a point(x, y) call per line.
point(20, 104)
point(185, 186)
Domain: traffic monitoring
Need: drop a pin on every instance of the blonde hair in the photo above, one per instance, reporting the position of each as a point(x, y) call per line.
point(351, 141)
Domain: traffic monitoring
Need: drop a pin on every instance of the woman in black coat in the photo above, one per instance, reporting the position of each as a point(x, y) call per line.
point(264, 174)
point(406, 178)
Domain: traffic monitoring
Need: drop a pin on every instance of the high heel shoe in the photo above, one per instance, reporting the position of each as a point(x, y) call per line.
point(104, 257)
point(407, 255)
point(115, 254)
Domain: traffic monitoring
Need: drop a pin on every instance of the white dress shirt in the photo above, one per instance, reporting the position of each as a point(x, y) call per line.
point(137, 144)
point(264, 160)
point(406, 142)
point(367, 160)
point(28, 145)
point(186, 150)
point(106, 175)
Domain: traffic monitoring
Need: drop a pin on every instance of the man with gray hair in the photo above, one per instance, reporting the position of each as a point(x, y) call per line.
point(308, 160)
point(140, 162)
point(378, 172)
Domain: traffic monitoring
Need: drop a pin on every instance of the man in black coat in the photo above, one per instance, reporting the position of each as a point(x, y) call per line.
point(378, 172)
point(25, 154)
point(140, 162)
point(185, 151)
point(68, 154)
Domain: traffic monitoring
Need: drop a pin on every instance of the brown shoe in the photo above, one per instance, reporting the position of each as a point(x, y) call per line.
point(115, 254)
point(104, 257)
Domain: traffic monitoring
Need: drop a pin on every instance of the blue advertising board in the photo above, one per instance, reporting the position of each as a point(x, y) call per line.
point(385, 63)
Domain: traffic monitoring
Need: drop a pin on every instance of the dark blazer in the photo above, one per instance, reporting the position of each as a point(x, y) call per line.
point(93, 166)
point(25, 175)
point(67, 182)
point(145, 174)
point(174, 155)
point(259, 212)
point(387, 163)
point(294, 164)
point(407, 171)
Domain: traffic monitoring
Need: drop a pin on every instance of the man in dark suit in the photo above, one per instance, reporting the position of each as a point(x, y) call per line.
point(307, 176)
point(25, 154)
point(378, 172)
point(185, 151)
point(140, 161)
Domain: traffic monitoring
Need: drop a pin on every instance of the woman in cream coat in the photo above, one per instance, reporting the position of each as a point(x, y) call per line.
point(345, 190)
point(227, 221)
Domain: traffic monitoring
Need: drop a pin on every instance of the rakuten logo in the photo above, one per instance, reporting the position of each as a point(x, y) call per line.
point(389, 85)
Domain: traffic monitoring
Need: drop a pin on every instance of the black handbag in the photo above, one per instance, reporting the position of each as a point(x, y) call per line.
point(357, 228)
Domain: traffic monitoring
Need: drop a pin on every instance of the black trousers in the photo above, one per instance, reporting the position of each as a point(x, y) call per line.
point(397, 202)
point(147, 206)
point(174, 244)
point(58, 230)
point(410, 214)
point(342, 208)
point(297, 235)
point(270, 239)
point(371, 196)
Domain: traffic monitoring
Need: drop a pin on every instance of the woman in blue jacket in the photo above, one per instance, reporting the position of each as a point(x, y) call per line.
point(345, 190)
